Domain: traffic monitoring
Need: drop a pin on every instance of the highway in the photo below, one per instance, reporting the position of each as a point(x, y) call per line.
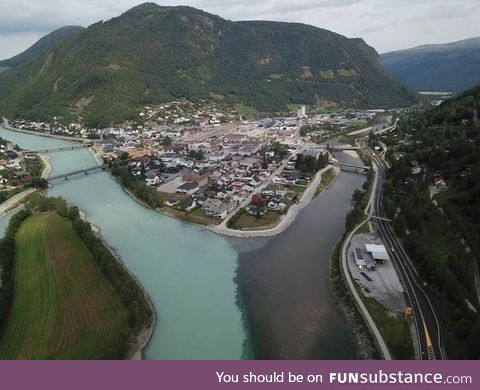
point(425, 319)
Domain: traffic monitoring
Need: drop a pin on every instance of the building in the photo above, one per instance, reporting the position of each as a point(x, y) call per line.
point(216, 208)
point(363, 260)
point(378, 252)
point(188, 188)
point(301, 111)
point(191, 176)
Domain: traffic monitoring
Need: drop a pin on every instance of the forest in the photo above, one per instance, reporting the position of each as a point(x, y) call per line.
point(432, 193)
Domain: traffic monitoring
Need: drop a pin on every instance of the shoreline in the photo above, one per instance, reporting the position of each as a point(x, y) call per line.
point(287, 219)
point(47, 169)
point(140, 340)
point(96, 154)
point(6, 124)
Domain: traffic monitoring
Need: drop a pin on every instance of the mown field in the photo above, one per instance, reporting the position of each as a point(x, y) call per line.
point(63, 307)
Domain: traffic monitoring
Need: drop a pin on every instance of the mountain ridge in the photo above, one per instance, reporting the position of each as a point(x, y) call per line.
point(41, 46)
point(439, 67)
point(152, 54)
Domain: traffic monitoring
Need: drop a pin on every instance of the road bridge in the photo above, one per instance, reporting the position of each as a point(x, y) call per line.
point(60, 149)
point(349, 165)
point(85, 171)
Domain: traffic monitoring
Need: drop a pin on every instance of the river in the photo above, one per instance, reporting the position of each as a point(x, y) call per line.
point(190, 273)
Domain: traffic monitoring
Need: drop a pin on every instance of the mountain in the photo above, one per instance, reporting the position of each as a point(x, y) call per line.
point(151, 54)
point(41, 46)
point(450, 67)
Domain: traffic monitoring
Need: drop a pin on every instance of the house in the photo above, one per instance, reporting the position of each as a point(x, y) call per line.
point(151, 178)
point(273, 205)
point(188, 188)
point(440, 182)
point(221, 195)
point(200, 198)
point(256, 210)
point(216, 208)
point(190, 204)
point(171, 202)
point(192, 176)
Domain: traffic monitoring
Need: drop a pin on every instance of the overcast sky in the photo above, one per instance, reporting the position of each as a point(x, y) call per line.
point(384, 24)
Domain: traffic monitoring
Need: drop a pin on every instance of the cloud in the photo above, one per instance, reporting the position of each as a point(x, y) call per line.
point(384, 24)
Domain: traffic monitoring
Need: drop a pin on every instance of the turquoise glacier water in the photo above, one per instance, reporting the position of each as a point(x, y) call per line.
point(188, 272)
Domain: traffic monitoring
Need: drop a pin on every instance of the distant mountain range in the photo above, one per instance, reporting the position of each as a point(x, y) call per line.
point(41, 46)
point(450, 67)
point(152, 54)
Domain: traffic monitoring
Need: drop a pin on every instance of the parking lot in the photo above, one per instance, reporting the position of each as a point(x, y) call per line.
point(382, 284)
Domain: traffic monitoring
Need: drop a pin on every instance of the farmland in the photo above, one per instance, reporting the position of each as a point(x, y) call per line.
point(63, 306)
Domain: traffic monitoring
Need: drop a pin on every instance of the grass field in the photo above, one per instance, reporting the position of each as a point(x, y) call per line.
point(394, 328)
point(63, 307)
point(248, 111)
point(247, 221)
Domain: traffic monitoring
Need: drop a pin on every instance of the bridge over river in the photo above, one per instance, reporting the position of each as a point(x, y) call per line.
point(61, 148)
point(85, 171)
point(349, 165)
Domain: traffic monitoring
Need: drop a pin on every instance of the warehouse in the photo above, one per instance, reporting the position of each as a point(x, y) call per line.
point(378, 252)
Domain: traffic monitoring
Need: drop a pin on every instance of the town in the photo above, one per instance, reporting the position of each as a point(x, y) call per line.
point(213, 165)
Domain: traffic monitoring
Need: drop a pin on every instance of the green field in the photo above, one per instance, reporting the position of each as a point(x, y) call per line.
point(247, 221)
point(63, 307)
point(249, 111)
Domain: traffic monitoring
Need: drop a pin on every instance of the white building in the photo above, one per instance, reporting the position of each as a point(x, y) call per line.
point(378, 252)
point(301, 111)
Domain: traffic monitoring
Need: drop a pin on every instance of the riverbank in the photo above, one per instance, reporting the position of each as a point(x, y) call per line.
point(96, 154)
point(286, 220)
point(141, 340)
point(285, 283)
point(7, 126)
point(366, 345)
point(47, 167)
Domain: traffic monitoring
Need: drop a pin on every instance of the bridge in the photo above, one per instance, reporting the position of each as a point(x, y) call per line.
point(341, 148)
point(378, 218)
point(85, 171)
point(387, 129)
point(349, 165)
point(60, 149)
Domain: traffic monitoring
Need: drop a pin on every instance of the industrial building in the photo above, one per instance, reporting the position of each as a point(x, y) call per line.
point(370, 255)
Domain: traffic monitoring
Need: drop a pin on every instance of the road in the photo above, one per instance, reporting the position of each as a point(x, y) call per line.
point(14, 200)
point(425, 318)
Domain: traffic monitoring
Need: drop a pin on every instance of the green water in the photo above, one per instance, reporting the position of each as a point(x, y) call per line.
point(189, 272)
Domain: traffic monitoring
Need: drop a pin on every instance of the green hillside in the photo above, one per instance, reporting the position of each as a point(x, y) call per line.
point(41, 46)
point(440, 224)
point(152, 54)
point(446, 67)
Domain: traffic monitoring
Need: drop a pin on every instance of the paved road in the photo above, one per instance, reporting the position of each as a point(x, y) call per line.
point(10, 203)
point(426, 321)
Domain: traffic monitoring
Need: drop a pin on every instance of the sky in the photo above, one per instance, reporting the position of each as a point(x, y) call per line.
point(387, 25)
